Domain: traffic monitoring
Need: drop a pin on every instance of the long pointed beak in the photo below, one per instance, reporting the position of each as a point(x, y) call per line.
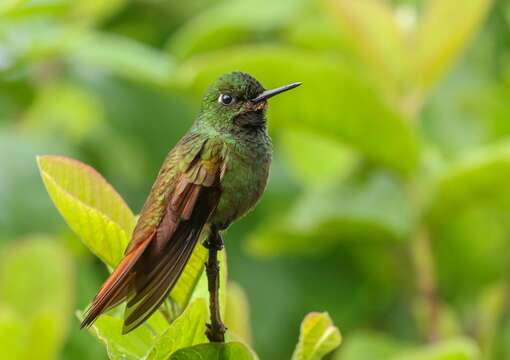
point(270, 93)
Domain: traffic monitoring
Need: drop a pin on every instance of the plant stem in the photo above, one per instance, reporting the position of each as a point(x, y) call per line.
point(426, 281)
point(216, 329)
point(424, 267)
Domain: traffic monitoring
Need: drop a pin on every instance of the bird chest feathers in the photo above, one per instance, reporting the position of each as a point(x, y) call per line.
point(244, 180)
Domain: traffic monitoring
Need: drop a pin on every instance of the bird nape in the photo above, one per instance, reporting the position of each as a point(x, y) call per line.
point(214, 175)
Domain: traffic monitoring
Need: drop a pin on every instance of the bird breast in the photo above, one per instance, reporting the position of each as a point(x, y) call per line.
point(244, 181)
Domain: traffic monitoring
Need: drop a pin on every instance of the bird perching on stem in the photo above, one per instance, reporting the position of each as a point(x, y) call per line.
point(214, 175)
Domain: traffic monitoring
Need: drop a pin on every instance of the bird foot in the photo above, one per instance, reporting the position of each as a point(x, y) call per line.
point(214, 242)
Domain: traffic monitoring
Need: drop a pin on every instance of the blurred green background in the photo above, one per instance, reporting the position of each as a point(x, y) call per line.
point(389, 199)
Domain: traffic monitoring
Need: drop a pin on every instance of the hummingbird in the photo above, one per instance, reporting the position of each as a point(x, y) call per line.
point(213, 176)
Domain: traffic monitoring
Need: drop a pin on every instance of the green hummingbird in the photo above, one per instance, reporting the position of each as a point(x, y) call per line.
point(213, 176)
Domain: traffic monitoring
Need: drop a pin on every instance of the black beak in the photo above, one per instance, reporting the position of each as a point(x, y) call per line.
point(270, 93)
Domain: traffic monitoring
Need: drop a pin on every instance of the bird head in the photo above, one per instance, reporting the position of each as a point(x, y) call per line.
point(238, 101)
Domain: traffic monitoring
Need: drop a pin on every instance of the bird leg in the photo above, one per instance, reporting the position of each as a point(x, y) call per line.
point(216, 329)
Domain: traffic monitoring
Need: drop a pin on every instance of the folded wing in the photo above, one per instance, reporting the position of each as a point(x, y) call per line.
point(183, 198)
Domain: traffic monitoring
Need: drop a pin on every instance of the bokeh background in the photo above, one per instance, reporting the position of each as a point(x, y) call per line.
point(389, 200)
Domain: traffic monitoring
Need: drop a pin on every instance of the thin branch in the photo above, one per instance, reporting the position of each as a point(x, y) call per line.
point(216, 329)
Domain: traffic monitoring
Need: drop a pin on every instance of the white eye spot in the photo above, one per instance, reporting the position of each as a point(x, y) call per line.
point(226, 99)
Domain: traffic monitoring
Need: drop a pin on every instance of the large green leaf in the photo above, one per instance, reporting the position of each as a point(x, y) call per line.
point(46, 335)
point(319, 31)
point(374, 210)
point(90, 206)
point(470, 203)
point(131, 346)
point(119, 55)
point(478, 179)
point(443, 32)
point(36, 275)
point(35, 291)
point(122, 56)
point(333, 100)
point(64, 109)
point(190, 277)
point(187, 330)
point(478, 235)
point(11, 334)
point(229, 23)
point(302, 149)
point(374, 33)
point(8, 5)
point(317, 338)
point(93, 11)
point(217, 351)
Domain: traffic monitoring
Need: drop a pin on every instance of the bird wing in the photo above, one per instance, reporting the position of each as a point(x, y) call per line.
point(181, 201)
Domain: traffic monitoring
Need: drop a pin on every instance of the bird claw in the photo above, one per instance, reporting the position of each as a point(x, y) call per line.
point(214, 242)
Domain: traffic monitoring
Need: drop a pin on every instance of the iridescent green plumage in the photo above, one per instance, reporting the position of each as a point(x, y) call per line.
point(215, 174)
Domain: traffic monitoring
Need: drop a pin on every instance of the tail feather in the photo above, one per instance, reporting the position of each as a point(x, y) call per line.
point(115, 289)
point(160, 281)
point(147, 274)
point(143, 303)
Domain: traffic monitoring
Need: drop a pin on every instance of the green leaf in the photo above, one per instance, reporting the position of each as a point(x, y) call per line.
point(478, 179)
point(373, 32)
point(187, 330)
point(317, 338)
point(36, 275)
point(192, 273)
point(318, 32)
point(237, 313)
point(217, 351)
point(8, 5)
point(455, 349)
point(11, 334)
point(479, 263)
point(36, 287)
point(229, 23)
point(39, 337)
point(328, 84)
point(131, 346)
point(122, 56)
point(64, 109)
point(93, 11)
point(442, 34)
point(302, 149)
point(374, 210)
point(116, 54)
point(90, 206)
point(45, 335)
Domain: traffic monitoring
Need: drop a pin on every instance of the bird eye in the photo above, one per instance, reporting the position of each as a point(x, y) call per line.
point(226, 99)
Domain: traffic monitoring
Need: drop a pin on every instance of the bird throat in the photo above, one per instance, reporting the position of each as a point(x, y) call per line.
point(251, 120)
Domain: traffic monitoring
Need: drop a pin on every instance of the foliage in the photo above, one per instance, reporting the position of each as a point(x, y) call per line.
point(387, 204)
point(94, 210)
point(35, 291)
point(318, 337)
